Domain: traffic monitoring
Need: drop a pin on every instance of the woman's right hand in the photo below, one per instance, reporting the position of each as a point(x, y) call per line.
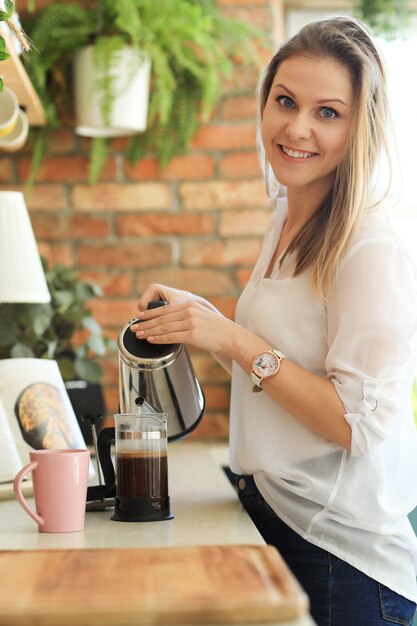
point(156, 291)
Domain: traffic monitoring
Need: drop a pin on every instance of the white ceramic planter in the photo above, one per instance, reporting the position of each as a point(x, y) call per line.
point(130, 107)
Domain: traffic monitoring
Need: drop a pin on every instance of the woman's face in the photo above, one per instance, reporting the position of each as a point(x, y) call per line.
point(305, 122)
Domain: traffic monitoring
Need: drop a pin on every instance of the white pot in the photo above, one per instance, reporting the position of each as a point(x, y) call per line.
point(131, 86)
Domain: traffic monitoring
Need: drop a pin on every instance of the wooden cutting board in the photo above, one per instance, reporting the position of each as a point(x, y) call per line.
point(190, 585)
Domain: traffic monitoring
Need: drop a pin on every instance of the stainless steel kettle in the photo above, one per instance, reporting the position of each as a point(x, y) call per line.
point(161, 374)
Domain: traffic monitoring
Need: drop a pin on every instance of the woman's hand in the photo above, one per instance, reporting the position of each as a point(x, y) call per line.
point(185, 321)
point(156, 291)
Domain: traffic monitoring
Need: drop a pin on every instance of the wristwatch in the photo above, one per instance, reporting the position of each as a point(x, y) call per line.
point(264, 365)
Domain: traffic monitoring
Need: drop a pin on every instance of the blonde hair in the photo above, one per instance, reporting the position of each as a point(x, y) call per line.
point(323, 239)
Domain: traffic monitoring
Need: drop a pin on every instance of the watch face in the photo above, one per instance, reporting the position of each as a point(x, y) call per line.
point(265, 364)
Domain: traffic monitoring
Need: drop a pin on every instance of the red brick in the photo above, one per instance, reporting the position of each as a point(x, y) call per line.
point(217, 397)
point(238, 223)
point(119, 144)
point(42, 197)
point(222, 194)
point(212, 426)
point(124, 255)
point(225, 137)
point(56, 253)
point(110, 370)
point(165, 224)
point(219, 253)
point(121, 197)
point(48, 226)
point(114, 313)
point(111, 332)
point(112, 283)
point(192, 166)
point(238, 164)
point(6, 171)
point(65, 168)
point(244, 78)
point(240, 107)
point(204, 282)
point(111, 402)
point(226, 305)
point(243, 276)
point(62, 141)
point(208, 370)
point(252, 13)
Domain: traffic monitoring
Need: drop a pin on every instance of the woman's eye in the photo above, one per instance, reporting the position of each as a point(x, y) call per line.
point(328, 114)
point(286, 102)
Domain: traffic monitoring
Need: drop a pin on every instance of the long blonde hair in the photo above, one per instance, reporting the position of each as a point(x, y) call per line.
point(323, 239)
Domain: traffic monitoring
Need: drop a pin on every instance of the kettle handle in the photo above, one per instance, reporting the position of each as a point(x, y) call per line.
point(106, 438)
point(155, 304)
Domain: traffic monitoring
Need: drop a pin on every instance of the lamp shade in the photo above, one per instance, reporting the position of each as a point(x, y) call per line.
point(21, 274)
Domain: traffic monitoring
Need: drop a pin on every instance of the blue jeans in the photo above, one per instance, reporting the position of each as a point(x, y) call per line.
point(340, 595)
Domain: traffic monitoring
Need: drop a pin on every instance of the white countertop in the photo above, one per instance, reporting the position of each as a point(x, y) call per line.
point(206, 509)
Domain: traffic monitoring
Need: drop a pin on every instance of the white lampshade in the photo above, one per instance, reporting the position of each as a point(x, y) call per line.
point(21, 274)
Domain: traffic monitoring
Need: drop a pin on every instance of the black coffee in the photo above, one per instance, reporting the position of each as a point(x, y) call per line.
point(142, 475)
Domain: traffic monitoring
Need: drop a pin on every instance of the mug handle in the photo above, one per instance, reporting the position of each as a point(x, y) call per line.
point(17, 488)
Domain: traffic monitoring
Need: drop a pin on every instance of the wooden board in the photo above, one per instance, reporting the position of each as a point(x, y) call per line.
point(200, 584)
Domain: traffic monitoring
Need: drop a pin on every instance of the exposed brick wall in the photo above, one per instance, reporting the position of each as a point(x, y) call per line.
point(198, 224)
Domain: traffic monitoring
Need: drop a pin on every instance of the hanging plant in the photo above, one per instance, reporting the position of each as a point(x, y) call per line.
point(190, 44)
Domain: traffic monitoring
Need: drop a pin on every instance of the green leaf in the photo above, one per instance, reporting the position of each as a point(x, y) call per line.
point(9, 332)
point(66, 367)
point(52, 345)
point(90, 324)
point(98, 156)
point(41, 323)
point(84, 291)
point(20, 351)
point(88, 370)
point(96, 344)
point(9, 6)
point(63, 299)
point(1, 84)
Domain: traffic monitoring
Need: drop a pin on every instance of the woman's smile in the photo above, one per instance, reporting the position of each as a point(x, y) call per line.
point(296, 154)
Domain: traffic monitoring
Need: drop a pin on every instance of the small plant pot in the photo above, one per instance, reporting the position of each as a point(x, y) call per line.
point(16, 139)
point(128, 103)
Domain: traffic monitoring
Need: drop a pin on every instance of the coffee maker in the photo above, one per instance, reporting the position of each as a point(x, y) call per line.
point(160, 400)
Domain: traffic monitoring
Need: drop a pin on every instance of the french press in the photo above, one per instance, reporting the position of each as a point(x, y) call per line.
point(141, 465)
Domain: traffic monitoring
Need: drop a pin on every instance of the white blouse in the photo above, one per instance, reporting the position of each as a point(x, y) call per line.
point(364, 339)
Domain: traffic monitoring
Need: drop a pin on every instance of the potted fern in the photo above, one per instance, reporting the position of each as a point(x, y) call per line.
point(190, 46)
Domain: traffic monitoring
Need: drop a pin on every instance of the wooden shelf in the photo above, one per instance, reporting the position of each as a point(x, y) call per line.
point(15, 77)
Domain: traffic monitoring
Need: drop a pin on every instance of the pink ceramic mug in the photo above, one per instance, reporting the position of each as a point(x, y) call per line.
point(60, 480)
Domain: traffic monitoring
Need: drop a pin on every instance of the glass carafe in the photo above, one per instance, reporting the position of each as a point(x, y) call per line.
point(141, 467)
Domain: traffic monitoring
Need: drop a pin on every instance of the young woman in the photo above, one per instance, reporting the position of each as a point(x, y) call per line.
point(323, 349)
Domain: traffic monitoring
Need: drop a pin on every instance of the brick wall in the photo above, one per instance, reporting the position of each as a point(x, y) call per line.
point(197, 225)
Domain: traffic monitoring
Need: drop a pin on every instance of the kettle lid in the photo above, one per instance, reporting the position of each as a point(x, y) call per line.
point(141, 348)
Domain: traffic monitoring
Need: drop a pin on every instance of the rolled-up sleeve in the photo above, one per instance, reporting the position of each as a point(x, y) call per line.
point(372, 317)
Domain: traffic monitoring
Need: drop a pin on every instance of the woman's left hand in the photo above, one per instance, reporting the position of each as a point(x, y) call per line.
point(190, 323)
